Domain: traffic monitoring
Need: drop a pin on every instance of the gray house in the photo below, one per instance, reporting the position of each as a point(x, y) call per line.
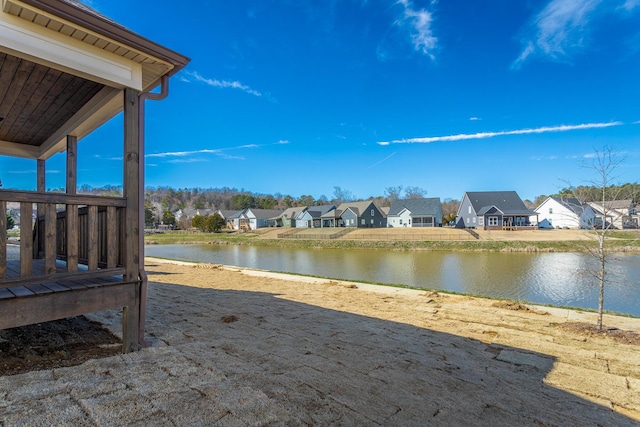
point(312, 217)
point(355, 214)
point(288, 217)
point(425, 212)
point(493, 210)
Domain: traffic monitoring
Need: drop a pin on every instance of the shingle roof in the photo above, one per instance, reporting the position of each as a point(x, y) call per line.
point(571, 203)
point(426, 206)
point(265, 213)
point(508, 202)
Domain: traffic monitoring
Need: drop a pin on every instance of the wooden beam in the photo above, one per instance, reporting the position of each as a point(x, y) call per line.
point(72, 164)
point(61, 199)
point(101, 108)
point(58, 305)
point(18, 150)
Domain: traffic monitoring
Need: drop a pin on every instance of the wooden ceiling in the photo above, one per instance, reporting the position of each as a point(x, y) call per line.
point(36, 100)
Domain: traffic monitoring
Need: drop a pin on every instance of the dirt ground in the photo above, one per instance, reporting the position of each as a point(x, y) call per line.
point(245, 347)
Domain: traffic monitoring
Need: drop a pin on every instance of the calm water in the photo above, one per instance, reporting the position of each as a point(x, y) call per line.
point(548, 278)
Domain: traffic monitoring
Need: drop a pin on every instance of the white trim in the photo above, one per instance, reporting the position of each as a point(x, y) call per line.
point(30, 41)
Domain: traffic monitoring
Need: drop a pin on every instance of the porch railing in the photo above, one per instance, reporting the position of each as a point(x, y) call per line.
point(85, 231)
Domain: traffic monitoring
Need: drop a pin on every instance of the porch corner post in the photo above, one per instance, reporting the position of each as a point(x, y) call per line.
point(133, 167)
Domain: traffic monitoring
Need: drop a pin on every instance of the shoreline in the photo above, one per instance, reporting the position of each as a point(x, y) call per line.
point(573, 313)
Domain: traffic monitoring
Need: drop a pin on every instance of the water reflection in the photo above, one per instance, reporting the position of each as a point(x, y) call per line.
point(549, 278)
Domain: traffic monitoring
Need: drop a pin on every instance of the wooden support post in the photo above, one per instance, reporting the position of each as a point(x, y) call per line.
point(49, 238)
point(132, 158)
point(71, 216)
point(3, 239)
point(26, 239)
point(72, 164)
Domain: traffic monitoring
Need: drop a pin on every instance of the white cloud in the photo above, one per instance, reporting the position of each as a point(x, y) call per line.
point(485, 135)
point(220, 152)
point(473, 119)
point(559, 29)
point(224, 84)
point(419, 24)
point(629, 5)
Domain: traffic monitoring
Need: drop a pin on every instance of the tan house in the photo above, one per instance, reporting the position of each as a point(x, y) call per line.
point(64, 71)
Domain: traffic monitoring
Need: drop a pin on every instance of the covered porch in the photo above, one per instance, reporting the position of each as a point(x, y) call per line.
point(65, 70)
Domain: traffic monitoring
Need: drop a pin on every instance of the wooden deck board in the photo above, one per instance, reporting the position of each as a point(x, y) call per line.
point(6, 294)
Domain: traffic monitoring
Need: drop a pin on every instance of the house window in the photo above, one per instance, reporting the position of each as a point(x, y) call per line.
point(469, 209)
point(372, 212)
point(550, 210)
point(362, 221)
point(493, 221)
point(400, 221)
point(371, 221)
point(474, 219)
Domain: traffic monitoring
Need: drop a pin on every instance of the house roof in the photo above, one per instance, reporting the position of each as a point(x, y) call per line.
point(615, 204)
point(265, 213)
point(357, 207)
point(318, 211)
point(226, 213)
point(571, 203)
point(425, 206)
point(290, 213)
point(507, 202)
point(63, 67)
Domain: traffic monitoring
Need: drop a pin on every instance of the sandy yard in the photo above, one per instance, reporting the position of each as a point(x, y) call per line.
point(234, 347)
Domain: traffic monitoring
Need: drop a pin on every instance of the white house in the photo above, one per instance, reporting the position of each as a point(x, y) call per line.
point(426, 212)
point(557, 212)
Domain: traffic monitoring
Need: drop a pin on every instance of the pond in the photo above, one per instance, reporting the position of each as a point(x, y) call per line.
point(563, 279)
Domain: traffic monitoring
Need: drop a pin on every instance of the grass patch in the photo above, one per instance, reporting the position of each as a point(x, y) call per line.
point(234, 238)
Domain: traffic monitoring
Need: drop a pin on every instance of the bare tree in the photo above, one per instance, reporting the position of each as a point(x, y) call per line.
point(341, 195)
point(393, 193)
point(604, 164)
point(414, 193)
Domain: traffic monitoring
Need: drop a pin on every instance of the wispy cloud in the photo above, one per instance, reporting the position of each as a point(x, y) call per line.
point(418, 22)
point(473, 119)
point(186, 156)
point(559, 28)
point(223, 84)
point(629, 5)
point(32, 171)
point(485, 135)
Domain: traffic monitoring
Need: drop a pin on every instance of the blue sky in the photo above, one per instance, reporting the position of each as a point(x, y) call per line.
point(297, 97)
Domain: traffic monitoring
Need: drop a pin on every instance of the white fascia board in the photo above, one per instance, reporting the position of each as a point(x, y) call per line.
point(46, 47)
point(18, 150)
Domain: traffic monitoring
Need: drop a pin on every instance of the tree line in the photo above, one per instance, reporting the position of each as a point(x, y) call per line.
point(162, 202)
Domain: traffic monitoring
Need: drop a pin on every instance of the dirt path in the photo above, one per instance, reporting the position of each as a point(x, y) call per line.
point(244, 347)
